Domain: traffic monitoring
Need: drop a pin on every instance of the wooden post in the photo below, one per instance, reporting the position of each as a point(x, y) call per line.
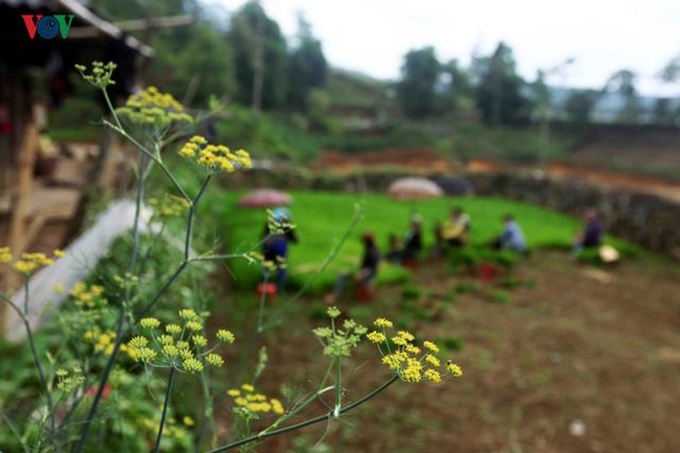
point(20, 199)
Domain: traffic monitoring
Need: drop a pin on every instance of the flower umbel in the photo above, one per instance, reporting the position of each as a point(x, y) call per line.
point(214, 158)
point(406, 359)
point(153, 108)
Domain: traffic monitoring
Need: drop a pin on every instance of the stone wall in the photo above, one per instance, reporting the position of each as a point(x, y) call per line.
point(648, 220)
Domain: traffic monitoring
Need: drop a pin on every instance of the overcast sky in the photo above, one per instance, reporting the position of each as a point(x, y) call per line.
point(603, 36)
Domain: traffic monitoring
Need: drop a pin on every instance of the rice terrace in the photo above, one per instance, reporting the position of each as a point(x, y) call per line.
point(215, 238)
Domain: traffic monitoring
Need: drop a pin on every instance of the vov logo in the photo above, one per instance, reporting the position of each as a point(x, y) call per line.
point(48, 27)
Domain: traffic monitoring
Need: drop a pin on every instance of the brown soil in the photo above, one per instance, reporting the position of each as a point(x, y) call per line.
point(417, 160)
point(421, 161)
point(588, 347)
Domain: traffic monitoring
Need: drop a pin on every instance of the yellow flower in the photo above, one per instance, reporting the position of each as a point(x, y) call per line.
point(59, 253)
point(406, 335)
point(433, 375)
point(149, 323)
point(234, 393)
point(376, 337)
point(277, 407)
point(173, 329)
point(199, 340)
point(192, 365)
point(382, 322)
point(170, 350)
point(431, 346)
point(188, 314)
point(145, 355)
point(24, 266)
point(194, 325)
point(454, 369)
point(214, 359)
point(432, 360)
point(225, 335)
point(5, 255)
point(138, 342)
point(188, 420)
point(399, 341)
point(411, 349)
point(248, 388)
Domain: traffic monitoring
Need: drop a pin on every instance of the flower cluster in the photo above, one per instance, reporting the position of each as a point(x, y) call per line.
point(152, 108)
point(169, 206)
point(178, 345)
point(69, 381)
point(88, 296)
point(103, 342)
point(248, 400)
point(338, 342)
point(100, 76)
point(5, 255)
point(412, 363)
point(215, 158)
point(29, 262)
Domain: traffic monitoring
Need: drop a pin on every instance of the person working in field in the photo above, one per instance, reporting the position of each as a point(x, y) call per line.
point(365, 276)
point(457, 229)
point(591, 236)
point(512, 237)
point(278, 232)
point(413, 242)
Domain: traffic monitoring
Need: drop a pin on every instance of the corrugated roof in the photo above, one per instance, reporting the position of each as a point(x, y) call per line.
point(85, 14)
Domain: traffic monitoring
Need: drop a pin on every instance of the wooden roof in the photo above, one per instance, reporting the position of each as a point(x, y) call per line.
point(19, 50)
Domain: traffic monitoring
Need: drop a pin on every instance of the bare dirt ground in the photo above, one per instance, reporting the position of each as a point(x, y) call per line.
point(423, 160)
point(587, 360)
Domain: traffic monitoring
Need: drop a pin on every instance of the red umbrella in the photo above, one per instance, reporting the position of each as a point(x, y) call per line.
point(414, 188)
point(265, 198)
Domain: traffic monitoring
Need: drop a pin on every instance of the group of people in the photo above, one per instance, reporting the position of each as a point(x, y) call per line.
point(453, 233)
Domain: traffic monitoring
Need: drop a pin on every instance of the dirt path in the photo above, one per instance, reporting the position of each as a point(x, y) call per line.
point(643, 184)
point(584, 361)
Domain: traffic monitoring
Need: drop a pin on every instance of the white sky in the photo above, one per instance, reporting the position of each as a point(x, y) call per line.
point(603, 36)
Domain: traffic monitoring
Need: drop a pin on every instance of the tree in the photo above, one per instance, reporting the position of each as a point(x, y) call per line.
point(671, 72)
point(453, 87)
point(308, 69)
point(416, 90)
point(499, 93)
point(622, 82)
point(260, 57)
point(579, 106)
point(193, 60)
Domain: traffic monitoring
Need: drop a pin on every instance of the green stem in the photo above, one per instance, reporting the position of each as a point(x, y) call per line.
point(192, 214)
point(36, 356)
point(209, 411)
point(14, 431)
point(168, 391)
point(138, 209)
point(309, 422)
point(85, 431)
point(338, 387)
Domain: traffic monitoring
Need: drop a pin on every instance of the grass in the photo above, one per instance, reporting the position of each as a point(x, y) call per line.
point(322, 219)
